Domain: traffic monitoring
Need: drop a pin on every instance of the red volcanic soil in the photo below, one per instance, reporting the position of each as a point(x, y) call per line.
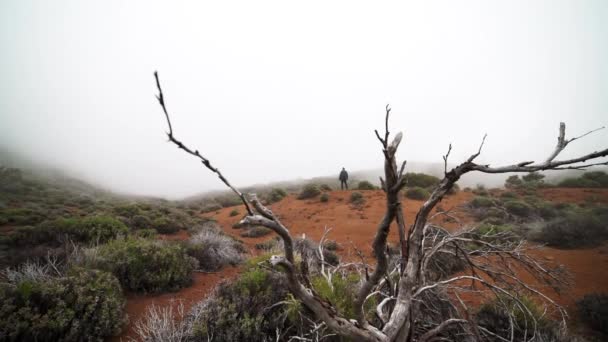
point(356, 225)
point(349, 223)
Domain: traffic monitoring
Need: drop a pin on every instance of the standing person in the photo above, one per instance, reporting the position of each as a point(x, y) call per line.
point(343, 179)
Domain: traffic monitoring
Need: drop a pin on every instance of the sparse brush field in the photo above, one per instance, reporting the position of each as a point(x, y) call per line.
point(75, 264)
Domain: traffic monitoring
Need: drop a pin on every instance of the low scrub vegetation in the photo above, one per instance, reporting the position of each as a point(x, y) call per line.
point(96, 229)
point(245, 310)
point(593, 310)
point(309, 191)
point(575, 227)
point(145, 265)
point(365, 185)
point(82, 305)
point(417, 193)
point(357, 198)
point(596, 179)
point(276, 195)
point(421, 180)
point(324, 198)
point(524, 315)
point(214, 250)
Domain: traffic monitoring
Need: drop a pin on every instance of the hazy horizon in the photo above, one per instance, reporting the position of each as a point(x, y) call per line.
point(272, 90)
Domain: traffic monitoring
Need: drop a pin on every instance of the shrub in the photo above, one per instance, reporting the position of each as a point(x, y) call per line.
point(593, 309)
point(21, 216)
point(518, 208)
point(214, 250)
point(276, 195)
point(357, 198)
point(141, 222)
point(309, 191)
point(365, 185)
point(595, 179)
point(234, 212)
point(146, 265)
point(85, 305)
point(330, 245)
point(256, 231)
point(513, 182)
point(481, 202)
point(421, 180)
point(164, 225)
point(324, 198)
point(494, 316)
point(417, 193)
point(533, 177)
point(95, 229)
point(508, 195)
point(146, 233)
point(238, 311)
point(341, 293)
point(574, 228)
point(546, 211)
point(325, 187)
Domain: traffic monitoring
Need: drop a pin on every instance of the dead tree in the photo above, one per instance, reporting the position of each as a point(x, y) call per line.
point(493, 266)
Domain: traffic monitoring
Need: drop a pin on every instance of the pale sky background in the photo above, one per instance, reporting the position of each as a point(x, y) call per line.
point(276, 90)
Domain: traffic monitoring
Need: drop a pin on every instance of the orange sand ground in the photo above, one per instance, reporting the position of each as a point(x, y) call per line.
point(357, 225)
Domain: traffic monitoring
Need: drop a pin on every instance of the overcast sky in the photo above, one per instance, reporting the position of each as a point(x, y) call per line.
point(277, 90)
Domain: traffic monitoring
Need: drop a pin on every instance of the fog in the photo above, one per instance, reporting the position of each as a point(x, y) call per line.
point(279, 90)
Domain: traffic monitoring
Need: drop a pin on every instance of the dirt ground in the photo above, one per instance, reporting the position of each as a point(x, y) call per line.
point(356, 225)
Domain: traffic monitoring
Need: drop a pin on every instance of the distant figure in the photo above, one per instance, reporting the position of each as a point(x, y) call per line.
point(343, 179)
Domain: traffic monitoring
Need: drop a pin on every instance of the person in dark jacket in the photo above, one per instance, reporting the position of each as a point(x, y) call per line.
point(343, 179)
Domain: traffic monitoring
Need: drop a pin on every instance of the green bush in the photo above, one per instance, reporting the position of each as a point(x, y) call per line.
point(593, 309)
point(421, 180)
point(494, 316)
point(357, 198)
point(309, 191)
point(276, 194)
point(595, 179)
point(417, 193)
point(146, 233)
point(146, 265)
point(365, 185)
point(85, 305)
point(22, 216)
point(234, 212)
point(518, 208)
point(513, 181)
point(508, 195)
point(343, 294)
point(575, 227)
point(140, 222)
point(164, 225)
point(324, 198)
point(325, 187)
point(94, 229)
point(239, 311)
point(481, 202)
point(533, 178)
